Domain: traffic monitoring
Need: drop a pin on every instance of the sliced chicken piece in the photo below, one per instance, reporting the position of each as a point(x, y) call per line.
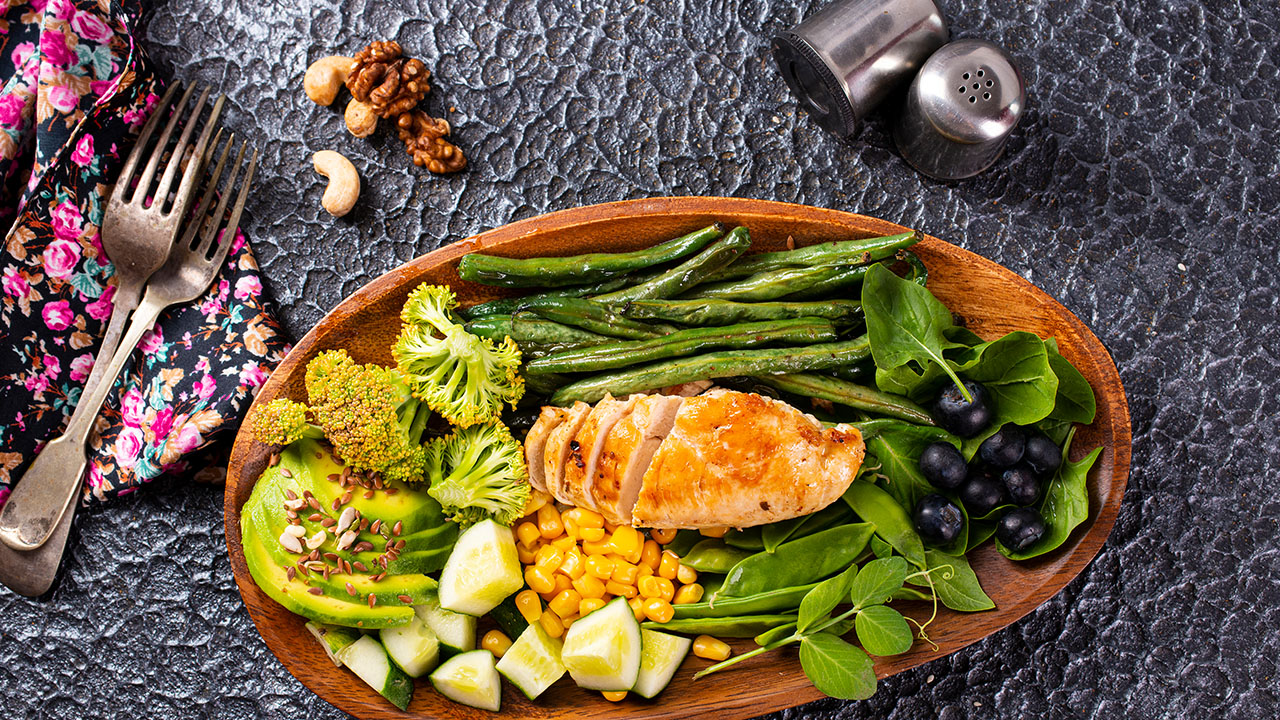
point(740, 459)
point(625, 456)
point(584, 450)
point(536, 442)
point(560, 442)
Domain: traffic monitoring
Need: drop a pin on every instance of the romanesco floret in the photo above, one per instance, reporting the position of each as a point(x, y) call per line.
point(479, 472)
point(463, 377)
point(281, 422)
point(368, 414)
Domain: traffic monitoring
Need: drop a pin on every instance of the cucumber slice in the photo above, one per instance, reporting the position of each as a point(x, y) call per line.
point(602, 650)
point(471, 679)
point(532, 663)
point(333, 638)
point(482, 569)
point(369, 661)
point(508, 617)
point(456, 632)
point(660, 657)
point(413, 647)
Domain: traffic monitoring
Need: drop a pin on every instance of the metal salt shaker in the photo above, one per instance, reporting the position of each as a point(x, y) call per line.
point(960, 109)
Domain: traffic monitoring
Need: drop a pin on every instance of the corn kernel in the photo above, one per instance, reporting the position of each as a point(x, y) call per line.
point(549, 524)
point(563, 543)
point(570, 527)
point(614, 696)
point(527, 533)
point(625, 573)
point(588, 605)
point(563, 582)
point(662, 537)
point(549, 595)
point(650, 554)
point(626, 541)
point(537, 499)
point(599, 566)
point(574, 565)
point(637, 608)
point(552, 624)
point(548, 557)
point(524, 554)
point(617, 588)
point(609, 527)
point(713, 532)
point(590, 519)
point(658, 610)
point(645, 570)
point(529, 605)
point(569, 621)
point(589, 586)
point(709, 648)
point(591, 534)
point(495, 642)
point(598, 547)
point(669, 565)
point(691, 593)
point(566, 603)
point(656, 587)
point(686, 575)
point(538, 579)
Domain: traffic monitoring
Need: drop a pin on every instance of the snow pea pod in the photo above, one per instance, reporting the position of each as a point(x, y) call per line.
point(797, 562)
point(891, 521)
point(747, 538)
point(777, 533)
point(734, 627)
point(773, 601)
point(713, 556)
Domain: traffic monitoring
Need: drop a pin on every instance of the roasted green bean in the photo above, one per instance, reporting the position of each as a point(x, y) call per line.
point(689, 273)
point(841, 252)
point(769, 285)
point(847, 393)
point(591, 316)
point(728, 312)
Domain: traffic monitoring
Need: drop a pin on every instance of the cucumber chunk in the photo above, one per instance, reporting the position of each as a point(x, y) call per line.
point(532, 663)
point(413, 647)
point(602, 650)
point(481, 571)
point(660, 657)
point(455, 631)
point(333, 638)
point(471, 679)
point(369, 661)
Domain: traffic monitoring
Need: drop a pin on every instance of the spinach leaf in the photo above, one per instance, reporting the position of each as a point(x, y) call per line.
point(980, 531)
point(957, 588)
point(898, 445)
point(880, 548)
point(836, 668)
point(817, 604)
point(890, 520)
point(883, 631)
point(905, 323)
point(1056, 429)
point(876, 581)
point(1015, 371)
point(1065, 505)
point(1075, 401)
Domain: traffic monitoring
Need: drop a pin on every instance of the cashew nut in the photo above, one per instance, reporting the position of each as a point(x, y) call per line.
point(361, 120)
point(344, 182)
point(326, 77)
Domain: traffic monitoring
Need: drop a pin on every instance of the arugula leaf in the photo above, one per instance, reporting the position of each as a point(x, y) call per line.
point(887, 516)
point(1075, 401)
point(883, 631)
point(1065, 505)
point(876, 581)
point(817, 604)
point(836, 668)
point(1015, 371)
point(905, 323)
point(958, 588)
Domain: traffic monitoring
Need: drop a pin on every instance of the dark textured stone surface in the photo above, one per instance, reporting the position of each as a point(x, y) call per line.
point(1141, 190)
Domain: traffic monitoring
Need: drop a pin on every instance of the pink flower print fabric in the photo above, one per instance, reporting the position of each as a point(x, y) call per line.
point(75, 89)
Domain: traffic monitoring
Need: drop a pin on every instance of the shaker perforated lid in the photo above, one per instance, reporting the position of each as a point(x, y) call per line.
point(960, 109)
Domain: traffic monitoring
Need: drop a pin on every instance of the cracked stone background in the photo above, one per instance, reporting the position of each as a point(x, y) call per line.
point(1141, 190)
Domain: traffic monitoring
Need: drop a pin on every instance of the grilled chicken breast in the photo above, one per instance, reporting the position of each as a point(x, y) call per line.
point(535, 443)
point(723, 458)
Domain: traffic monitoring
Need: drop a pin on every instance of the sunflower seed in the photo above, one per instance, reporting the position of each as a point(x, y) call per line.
point(316, 540)
point(291, 542)
point(296, 530)
point(347, 538)
point(295, 504)
point(347, 517)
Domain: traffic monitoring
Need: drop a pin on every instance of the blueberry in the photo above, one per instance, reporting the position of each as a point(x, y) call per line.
point(982, 493)
point(964, 418)
point(1043, 456)
point(1020, 528)
point(943, 465)
point(938, 520)
point(1005, 448)
point(1022, 484)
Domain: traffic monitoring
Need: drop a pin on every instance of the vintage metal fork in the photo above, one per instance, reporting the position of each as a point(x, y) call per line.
point(190, 268)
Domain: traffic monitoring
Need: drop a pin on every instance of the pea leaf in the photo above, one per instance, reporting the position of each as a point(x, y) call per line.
point(1065, 505)
point(876, 581)
point(910, 593)
point(1015, 370)
point(883, 631)
point(837, 668)
point(1075, 401)
point(957, 587)
point(888, 517)
point(905, 323)
point(817, 604)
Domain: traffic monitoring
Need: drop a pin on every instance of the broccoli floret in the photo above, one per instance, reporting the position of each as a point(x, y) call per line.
point(281, 422)
point(479, 472)
point(369, 415)
point(463, 377)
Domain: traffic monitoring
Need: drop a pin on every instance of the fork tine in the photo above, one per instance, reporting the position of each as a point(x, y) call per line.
point(199, 161)
point(135, 155)
point(198, 218)
point(179, 152)
point(149, 173)
point(233, 223)
point(215, 221)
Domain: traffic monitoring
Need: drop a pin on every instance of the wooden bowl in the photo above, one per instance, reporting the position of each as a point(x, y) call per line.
point(992, 300)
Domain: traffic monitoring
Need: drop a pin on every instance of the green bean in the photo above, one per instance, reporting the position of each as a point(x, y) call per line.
point(527, 327)
point(728, 312)
point(494, 327)
point(543, 384)
point(731, 627)
point(769, 285)
point(891, 521)
point(841, 252)
point(689, 273)
point(856, 373)
point(682, 343)
point(797, 562)
point(591, 316)
point(579, 269)
point(826, 288)
point(532, 351)
point(713, 556)
point(715, 365)
point(507, 306)
point(780, 600)
point(847, 393)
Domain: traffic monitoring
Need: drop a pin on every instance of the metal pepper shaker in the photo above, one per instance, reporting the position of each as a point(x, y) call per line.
point(846, 58)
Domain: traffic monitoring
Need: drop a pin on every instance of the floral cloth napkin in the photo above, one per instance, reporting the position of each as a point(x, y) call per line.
point(77, 87)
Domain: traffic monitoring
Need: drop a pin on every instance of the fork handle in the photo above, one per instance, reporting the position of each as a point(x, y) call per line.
point(50, 485)
point(124, 302)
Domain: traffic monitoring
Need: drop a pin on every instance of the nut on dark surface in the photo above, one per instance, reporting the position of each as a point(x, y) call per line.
point(424, 139)
point(388, 81)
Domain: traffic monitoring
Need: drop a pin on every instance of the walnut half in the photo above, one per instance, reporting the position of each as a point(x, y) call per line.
point(424, 139)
